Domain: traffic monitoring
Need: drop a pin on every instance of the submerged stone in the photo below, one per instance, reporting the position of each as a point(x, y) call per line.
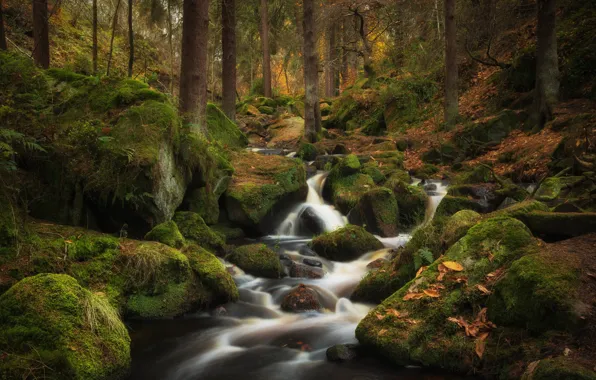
point(301, 299)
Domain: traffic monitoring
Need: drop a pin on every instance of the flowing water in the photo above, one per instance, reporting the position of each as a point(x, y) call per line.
point(254, 338)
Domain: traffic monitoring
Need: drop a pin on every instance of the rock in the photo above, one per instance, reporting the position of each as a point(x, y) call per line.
point(520, 209)
point(567, 207)
point(507, 202)
point(450, 205)
point(307, 152)
point(168, 234)
point(344, 192)
point(306, 251)
point(312, 221)
point(476, 137)
point(373, 171)
point(285, 258)
point(411, 201)
point(560, 224)
point(345, 244)
point(228, 231)
point(313, 263)
point(301, 299)
point(430, 187)
point(558, 369)
point(340, 149)
point(260, 186)
point(458, 225)
point(485, 195)
point(266, 110)
point(298, 270)
point(286, 132)
point(324, 161)
point(194, 229)
point(49, 319)
point(377, 264)
point(256, 259)
point(349, 165)
point(556, 187)
point(377, 211)
point(224, 130)
point(342, 352)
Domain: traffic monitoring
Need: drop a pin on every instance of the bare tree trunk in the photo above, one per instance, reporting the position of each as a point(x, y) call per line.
point(367, 47)
point(265, 48)
point(312, 112)
point(330, 71)
point(171, 45)
point(94, 37)
point(114, 23)
point(41, 35)
point(193, 70)
point(451, 74)
point(2, 35)
point(547, 65)
point(131, 40)
point(228, 65)
point(345, 65)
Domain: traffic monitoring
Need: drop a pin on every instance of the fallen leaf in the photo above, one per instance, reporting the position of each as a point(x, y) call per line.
point(456, 267)
point(68, 241)
point(481, 317)
point(453, 319)
point(394, 313)
point(413, 296)
point(441, 276)
point(431, 293)
point(382, 332)
point(379, 316)
point(480, 345)
point(411, 321)
point(483, 289)
point(422, 269)
point(461, 280)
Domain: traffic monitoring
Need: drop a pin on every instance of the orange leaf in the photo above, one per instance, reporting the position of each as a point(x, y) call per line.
point(382, 332)
point(394, 312)
point(422, 269)
point(379, 316)
point(480, 345)
point(431, 293)
point(456, 267)
point(483, 289)
point(68, 241)
point(461, 280)
point(413, 296)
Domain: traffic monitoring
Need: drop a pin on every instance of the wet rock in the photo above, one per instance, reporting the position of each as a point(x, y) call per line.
point(301, 299)
point(306, 251)
point(560, 224)
point(345, 244)
point(507, 203)
point(194, 229)
point(342, 352)
point(340, 149)
point(322, 161)
point(313, 263)
point(411, 201)
point(377, 211)
point(312, 221)
point(458, 225)
point(298, 270)
point(285, 257)
point(256, 259)
point(430, 187)
point(378, 263)
point(567, 207)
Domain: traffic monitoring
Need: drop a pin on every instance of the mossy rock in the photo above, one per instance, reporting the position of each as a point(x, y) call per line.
point(223, 130)
point(554, 187)
point(168, 234)
point(228, 231)
point(520, 209)
point(478, 136)
point(426, 336)
point(412, 201)
point(560, 224)
point(212, 274)
point(373, 171)
point(349, 165)
point(345, 244)
point(266, 110)
point(426, 171)
point(345, 190)
point(480, 174)
point(194, 229)
point(52, 328)
point(307, 152)
point(377, 212)
point(560, 368)
point(257, 260)
point(450, 205)
point(458, 225)
point(205, 202)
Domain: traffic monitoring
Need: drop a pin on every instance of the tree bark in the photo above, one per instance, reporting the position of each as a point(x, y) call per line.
point(312, 112)
point(547, 64)
point(367, 47)
point(131, 40)
point(94, 37)
point(41, 35)
point(171, 46)
point(265, 48)
point(193, 70)
point(451, 74)
point(2, 34)
point(228, 41)
point(330, 65)
point(114, 23)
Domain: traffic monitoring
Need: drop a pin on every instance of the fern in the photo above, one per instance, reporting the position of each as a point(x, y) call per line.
point(423, 257)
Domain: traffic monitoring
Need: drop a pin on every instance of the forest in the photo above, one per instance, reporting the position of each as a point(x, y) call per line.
point(297, 189)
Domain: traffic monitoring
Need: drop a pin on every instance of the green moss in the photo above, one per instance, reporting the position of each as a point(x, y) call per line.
point(458, 225)
point(206, 203)
point(377, 211)
point(345, 244)
point(450, 205)
point(194, 229)
point(224, 130)
point(426, 171)
point(174, 300)
point(266, 110)
point(560, 368)
point(230, 232)
point(256, 259)
point(349, 165)
point(373, 171)
point(412, 201)
point(480, 174)
point(553, 187)
point(307, 152)
point(345, 190)
point(166, 233)
point(212, 274)
point(50, 321)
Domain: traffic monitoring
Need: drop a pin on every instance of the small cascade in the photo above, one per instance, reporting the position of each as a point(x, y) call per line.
point(436, 191)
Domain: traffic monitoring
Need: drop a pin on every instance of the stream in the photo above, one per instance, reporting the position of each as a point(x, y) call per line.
point(254, 338)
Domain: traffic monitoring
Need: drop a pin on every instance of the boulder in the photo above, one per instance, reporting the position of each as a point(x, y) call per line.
point(298, 270)
point(342, 352)
point(558, 369)
point(194, 229)
point(553, 188)
point(301, 299)
point(286, 133)
point(557, 225)
point(458, 225)
point(307, 152)
point(313, 263)
point(326, 161)
point(67, 331)
point(312, 221)
point(223, 130)
point(377, 211)
point(345, 244)
point(340, 149)
point(306, 251)
point(168, 234)
point(411, 201)
point(450, 205)
point(349, 165)
point(377, 264)
point(256, 259)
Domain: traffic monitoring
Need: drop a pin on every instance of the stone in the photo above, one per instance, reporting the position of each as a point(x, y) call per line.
point(301, 299)
point(345, 244)
point(342, 352)
point(298, 270)
point(377, 211)
point(312, 221)
point(313, 263)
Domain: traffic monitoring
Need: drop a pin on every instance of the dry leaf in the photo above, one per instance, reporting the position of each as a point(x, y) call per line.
point(382, 332)
point(456, 267)
point(379, 316)
point(480, 345)
point(68, 241)
point(394, 313)
point(422, 269)
point(411, 321)
point(461, 280)
point(483, 289)
point(431, 293)
point(413, 296)
point(453, 319)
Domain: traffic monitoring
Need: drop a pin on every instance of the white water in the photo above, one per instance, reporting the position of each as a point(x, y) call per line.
point(255, 339)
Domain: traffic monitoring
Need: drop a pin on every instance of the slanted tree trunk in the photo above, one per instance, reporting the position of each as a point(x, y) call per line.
point(451, 74)
point(193, 70)
point(171, 45)
point(114, 23)
point(41, 35)
point(312, 112)
point(265, 48)
point(2, 35)
point(94, 37)
point(131, 40)
point(330, 65)
point(547, 64)
point(366, 45)
point(228, 42)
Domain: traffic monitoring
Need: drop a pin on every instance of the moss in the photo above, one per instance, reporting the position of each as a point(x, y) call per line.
point(426, 171)
point(49, 319)
point(349, 165)
point(257, 259)
point(553, 187)
point(412, 201)
point(480, 174)
point(458, 225)
point(206, 203)
point(560, 368)
point(194, 229)
point(345, 244)
point(560, 224)
point(168, 234)
point(307, 152)
point(224, 130)
point(477, 137)
point(266, 110)
point(450, 205)
point(173, 301)
point(345, 191)
point(373, 171)
point(377, 211)
point(228, 231)
point(212, 274)
point(520, 209)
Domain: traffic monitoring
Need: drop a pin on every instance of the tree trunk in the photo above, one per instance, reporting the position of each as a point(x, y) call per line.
point(2, 35)
point(312, 112)
point(330, 65)
point(171, 45)
point(193, 70)
point(41, 35)
point(265, 48)
point(94, 37)
point(367, 47)
point(114, 23)
point(131, 40)
point(345, 64)
point(451, 74)
point(228, 42)
point(547, 65)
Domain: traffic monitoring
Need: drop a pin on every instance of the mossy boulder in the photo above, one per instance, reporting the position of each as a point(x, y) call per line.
point(194, 229)
point(556, 187)
point(260, 185)
point(557, 225)
point(52, 328)
point(223, 130)
point(266, 110)
point(477, 137)
point(307, 152)
point(349, 165)
point(345, 244)
point(256, 259)
point(345, 192)
point(450, 205)
point(520, 209)
point(301, 299)
point(560, 368)
point(458, 225)
point(373, 171)
point(377, 212)
point(412, 201)
point(168, 234)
